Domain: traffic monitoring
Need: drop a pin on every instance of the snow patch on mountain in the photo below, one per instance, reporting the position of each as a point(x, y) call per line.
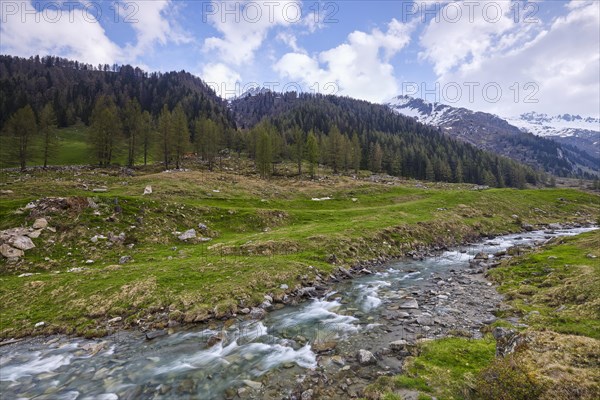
point(566, 125)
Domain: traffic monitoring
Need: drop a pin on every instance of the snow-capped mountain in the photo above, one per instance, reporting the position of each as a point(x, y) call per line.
point(566, 147)
point(558, 125)
point(572, 130)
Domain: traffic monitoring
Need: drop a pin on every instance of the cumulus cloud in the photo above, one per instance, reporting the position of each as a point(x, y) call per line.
point(544, 67)
point(74, 32)
point(360, 67)
point(224, 80)
point(244, 26)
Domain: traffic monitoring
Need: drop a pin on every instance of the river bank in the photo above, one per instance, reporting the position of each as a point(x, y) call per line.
point(315, 344)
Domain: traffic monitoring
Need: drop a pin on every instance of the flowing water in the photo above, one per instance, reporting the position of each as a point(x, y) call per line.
point(280, 348)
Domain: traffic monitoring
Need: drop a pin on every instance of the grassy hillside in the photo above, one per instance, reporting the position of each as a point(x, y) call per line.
point(556, 293)
point(262, 234)
point(71, 149)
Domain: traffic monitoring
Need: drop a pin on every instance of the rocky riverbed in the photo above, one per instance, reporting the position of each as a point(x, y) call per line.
point(330, 346)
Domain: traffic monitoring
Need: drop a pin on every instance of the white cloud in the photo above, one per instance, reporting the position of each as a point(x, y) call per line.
point(360, 67)
point(555, 66)
point(244, 30)
point(224, 80)
point(155, 24)
point(73, 32)
point(290, 40)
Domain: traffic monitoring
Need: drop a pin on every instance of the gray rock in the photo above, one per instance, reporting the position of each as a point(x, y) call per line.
point(307, 395)
point(10, 252)
point(507, 341)
point(283, 286)
point(257, 313)
point(307, 291)
point(202, 227)
point(409, 304)
point(21, 242)
point(120, 238)
point(40, 223)
point(481, 256)
point(399, 345)
point(35, 234)
point(189, 234)
point(40, 324)
point(365, 357)
point(527, 227)
point(148, 190)
point(125, 259)
point(252, 384)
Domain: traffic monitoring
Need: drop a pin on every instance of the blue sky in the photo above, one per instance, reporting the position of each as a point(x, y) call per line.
point(506, 57)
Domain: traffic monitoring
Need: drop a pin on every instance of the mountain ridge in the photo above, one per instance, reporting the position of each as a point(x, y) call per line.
point(491, 132)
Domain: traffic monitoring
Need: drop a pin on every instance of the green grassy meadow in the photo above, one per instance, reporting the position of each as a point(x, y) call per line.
point(263, 233)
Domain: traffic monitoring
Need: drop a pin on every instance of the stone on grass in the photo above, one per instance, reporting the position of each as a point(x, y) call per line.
point(10, 252)
point(189, 234)
point(148, 190)
point(21, 243)
point(40, 223)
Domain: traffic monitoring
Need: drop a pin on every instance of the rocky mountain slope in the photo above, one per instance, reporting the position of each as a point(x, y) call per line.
point(493, 133)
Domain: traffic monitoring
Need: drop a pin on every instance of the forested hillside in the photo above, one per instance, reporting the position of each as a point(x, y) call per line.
point(133, 117)
point(355, 134)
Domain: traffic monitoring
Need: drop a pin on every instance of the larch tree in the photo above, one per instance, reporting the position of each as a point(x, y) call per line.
point(264, 150)
point(299, 146)
point(147, 134)
point(207, 138)
point(106, 130)
point(20, 129)
point(132, 116)
point(47, 129)
point(312, 153)
point(166, 135)
point(356, 153)
point(335, 149)
point(181, 135)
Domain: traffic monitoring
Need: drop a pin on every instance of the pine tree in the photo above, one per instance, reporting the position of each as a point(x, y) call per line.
point(312, 153)
point(106, 130)
point(20, 129)
point(47, 129)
